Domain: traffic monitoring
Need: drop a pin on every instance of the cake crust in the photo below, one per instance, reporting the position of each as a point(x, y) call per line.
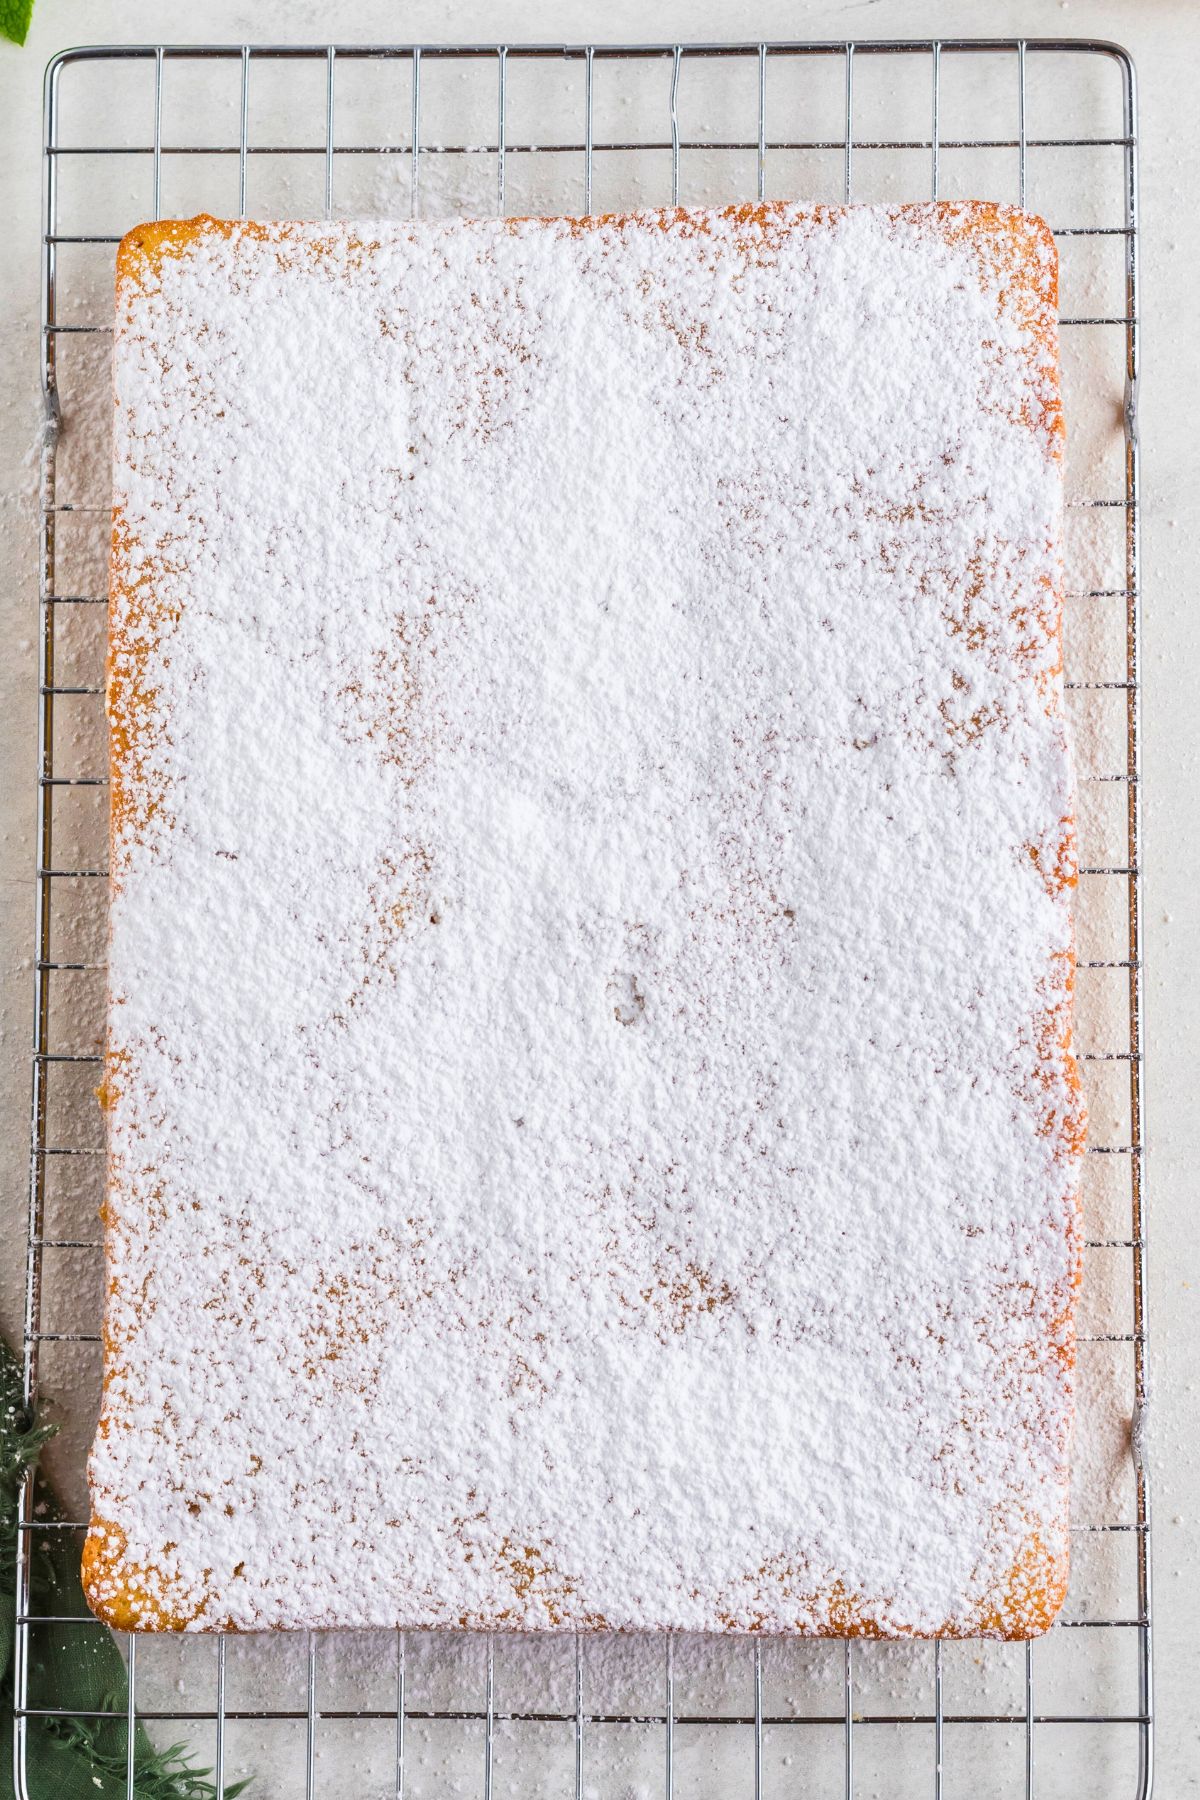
point(666, 1183)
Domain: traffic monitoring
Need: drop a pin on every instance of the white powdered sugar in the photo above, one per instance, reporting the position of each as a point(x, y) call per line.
point(591, 1119)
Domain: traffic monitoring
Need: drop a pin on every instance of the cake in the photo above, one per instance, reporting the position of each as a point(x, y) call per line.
point(592, 1129)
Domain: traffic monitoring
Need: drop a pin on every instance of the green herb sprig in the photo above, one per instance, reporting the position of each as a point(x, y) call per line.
point(14, 19)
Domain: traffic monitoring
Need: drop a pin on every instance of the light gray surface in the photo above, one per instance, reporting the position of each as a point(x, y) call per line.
point(1164, 36)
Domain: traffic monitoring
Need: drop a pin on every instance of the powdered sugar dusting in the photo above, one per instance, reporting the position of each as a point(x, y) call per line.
point(592, 1129)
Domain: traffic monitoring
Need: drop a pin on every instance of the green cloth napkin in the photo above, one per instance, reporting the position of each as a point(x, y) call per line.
point(71, 1666)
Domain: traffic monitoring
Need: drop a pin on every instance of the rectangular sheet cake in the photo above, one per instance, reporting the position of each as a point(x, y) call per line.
point(592, 1126)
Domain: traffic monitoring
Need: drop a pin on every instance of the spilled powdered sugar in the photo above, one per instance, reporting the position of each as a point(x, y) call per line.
point(587, 1146)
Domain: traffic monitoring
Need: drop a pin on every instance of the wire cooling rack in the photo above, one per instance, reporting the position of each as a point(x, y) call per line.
point(142, 131)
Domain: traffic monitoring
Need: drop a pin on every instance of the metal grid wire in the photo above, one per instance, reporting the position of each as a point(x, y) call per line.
point(1073, 1714)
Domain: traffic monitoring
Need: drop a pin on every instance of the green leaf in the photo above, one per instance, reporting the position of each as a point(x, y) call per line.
point(14, 19)
point(157, 1774)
